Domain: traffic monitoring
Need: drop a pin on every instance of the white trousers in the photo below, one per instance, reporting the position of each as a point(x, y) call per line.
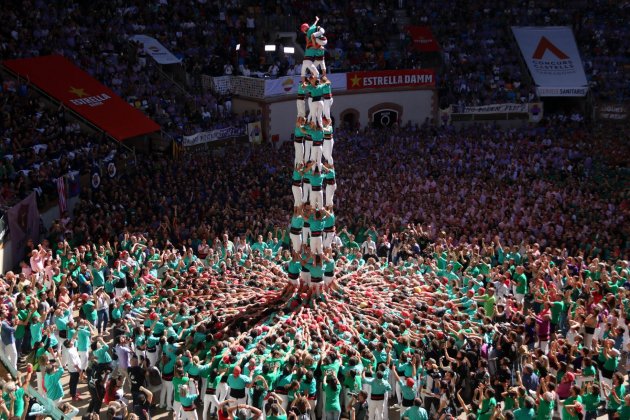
point(310, 109)
point(153, 357)
point(222, 391)
point(299, 152)
point(301, 108)
point(316, 198)
point(328, 239)
point(330, 194)
point(296, 242)
point(177, 410)
point(327, 150)
point(210, 404)
point(320, 64)
point(317, 245)
point(316, 154)
point(308, 146)
point(327, 105)
point(375, 409)
point(166, 394)
point(306, 192)
point(10, 351)
point(297, 195)
point(310, 65)
point(84, 357)
point(284, 401)
point(189, 415)
point(317, 109)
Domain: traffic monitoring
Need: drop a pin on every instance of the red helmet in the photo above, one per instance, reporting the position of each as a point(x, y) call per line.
point(304, 27)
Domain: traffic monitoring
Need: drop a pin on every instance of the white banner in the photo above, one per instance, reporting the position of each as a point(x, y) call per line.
point(214, 135)
point(288, 85)
point(553, 60)
point(156, 50)
point(495, 109)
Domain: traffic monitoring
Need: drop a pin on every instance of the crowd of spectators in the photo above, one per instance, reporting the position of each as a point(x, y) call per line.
point(482, 62)
point(39, 144)
point(524, 232)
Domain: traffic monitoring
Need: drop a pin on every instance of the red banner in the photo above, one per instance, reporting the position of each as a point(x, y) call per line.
point(83, 94)
point(390, 79)
point(422, 39)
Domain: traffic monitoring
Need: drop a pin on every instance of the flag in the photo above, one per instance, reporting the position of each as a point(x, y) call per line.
point(61, 190)
point(95, 178)
point(74, 184)
point(111, 169)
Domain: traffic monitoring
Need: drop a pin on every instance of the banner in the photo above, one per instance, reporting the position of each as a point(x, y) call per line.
point(156, 50)
point(494, 109)
point(288, 85)
point(23, 225)
point(61, 191)
point(498, 112)
point(613, 112)
point(83, 94)
point(254, 132)
point(4, 228)
point(390, 79)
point(422, 39)
point(553, 60)
point(214, 135)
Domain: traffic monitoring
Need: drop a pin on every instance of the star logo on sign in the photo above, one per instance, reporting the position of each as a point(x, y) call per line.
point(356, 81)
point(78, 92)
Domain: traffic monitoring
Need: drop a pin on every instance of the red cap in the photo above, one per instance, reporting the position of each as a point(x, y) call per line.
point(265, 328)
point(218, 335)
point(84, 296)
point(153, 316)
point(570, 376)
point(410, 382)
point(408, 322)
point(304, 27)
point(439, 335)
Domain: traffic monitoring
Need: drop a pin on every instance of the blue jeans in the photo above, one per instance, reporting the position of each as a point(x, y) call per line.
point(332, 415)
point(103, 319)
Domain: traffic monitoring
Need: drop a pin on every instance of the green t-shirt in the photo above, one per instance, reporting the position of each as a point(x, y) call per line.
point(487, 408)
point(545, 409)
point(488, 305)
point(18, 406)
point(620, 390)
point(591, 402)
point(521, 283)
point(524, 414)
point(332, 397)
point(415, 413)
point(569, 401)
point(557, 308)
point(20, 330)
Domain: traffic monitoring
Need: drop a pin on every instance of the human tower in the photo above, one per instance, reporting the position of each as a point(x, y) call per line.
point(312, 229)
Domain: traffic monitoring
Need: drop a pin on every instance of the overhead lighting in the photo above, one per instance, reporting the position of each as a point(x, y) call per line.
point(289, 50)
point(270, 47)
point(238, 47)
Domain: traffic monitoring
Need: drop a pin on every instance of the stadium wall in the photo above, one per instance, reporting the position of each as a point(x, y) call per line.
point(365, 108)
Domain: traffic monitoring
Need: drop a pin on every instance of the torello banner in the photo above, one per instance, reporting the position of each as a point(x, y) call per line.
point(84, 95)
